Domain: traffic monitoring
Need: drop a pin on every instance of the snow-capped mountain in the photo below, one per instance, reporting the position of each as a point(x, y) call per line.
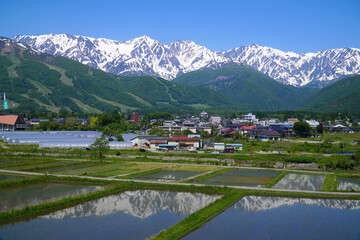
point(146, 56)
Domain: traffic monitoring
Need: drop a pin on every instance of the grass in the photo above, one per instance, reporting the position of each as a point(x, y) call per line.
point(125, 168)
point(276, 179)
point(330, 183)
point(109, 169)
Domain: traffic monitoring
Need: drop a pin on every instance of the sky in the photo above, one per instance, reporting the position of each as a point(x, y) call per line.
point(288, 25)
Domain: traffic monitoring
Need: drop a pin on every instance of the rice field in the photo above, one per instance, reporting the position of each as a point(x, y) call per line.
point(242, 177)
point(34, 194)
point(256, 217)
point(130, 215)
point(295, 181)
point(348, 184)
point(112, 169)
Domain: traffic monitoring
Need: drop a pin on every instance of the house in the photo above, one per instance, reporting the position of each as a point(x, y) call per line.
point(204, 115)
point(245, 129)
point(185, 142)
point(263, 135)
point(269, 135)
point(280, 129)
point(219, 146)
point(144, 141)
point(215, 120)
point(12, 122)
point(235, 146)
point(228, 132)
point(250, 118)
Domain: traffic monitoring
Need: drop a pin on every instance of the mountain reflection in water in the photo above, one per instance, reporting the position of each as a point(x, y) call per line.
point(140, 204)
point(301, 182)
point(258, 203)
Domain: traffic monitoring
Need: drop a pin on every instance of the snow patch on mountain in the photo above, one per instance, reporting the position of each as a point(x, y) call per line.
point(147, 56)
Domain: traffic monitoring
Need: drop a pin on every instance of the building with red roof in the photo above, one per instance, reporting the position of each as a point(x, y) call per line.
point(11, 122)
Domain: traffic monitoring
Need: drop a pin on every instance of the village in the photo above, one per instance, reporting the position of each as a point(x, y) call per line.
point(197, 133)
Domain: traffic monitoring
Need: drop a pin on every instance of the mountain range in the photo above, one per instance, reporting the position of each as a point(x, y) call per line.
point(43, 82)
point(247, 86)
point(146, 56)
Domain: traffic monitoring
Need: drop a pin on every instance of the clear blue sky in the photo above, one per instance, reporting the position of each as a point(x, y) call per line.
point(289, 25)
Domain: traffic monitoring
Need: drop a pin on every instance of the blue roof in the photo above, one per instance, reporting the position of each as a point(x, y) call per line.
point(234, 144)
point(168, 145)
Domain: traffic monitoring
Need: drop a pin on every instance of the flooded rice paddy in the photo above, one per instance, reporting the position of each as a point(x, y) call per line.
point(294, 181)
point(129, 215)
point(348, 184)
point(168, 175)
point(29, 195)
point(242, 177)
point(256, 217)
point(5, 177)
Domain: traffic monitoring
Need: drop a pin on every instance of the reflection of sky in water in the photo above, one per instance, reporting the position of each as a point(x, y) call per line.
point(348, 184)
point(129, 215)
point(301, 182)
point(34, 194)
point(168, 175)
point(255, 217)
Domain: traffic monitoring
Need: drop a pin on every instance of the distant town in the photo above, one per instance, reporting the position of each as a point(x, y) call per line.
point(189, 133)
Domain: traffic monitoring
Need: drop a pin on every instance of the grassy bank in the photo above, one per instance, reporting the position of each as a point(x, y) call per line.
point(330, 183)
point(276, 179)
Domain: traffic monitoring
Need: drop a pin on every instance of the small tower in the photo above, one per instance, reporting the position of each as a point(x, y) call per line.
point(5, 102)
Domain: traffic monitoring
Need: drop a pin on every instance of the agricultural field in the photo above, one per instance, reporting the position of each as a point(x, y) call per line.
point(171, 196)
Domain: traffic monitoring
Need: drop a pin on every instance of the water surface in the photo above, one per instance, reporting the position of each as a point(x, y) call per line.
point(242, 177)
point(296, 181)
point(256, 217)
point(348, 184)
point(34, 194)
point(168, 175)
point(4, 177)
point(129, 215)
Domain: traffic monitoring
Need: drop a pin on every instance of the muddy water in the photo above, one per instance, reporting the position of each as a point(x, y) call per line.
point(34, 194)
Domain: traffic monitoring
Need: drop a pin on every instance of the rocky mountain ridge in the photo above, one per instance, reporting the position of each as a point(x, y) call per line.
point(146, 56)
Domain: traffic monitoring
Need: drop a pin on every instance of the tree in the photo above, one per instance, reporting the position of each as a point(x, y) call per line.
point(302, 129)
point(113, 134)
point(100, 147)
point(93, 121)
point(320, 128)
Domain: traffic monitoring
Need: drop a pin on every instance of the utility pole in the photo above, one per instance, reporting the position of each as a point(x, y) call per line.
point(343, 139)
